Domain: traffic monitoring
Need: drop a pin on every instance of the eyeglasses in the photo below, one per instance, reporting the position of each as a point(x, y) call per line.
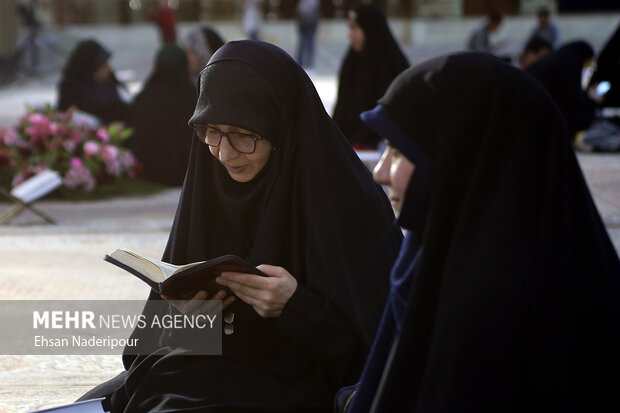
point(241, 142)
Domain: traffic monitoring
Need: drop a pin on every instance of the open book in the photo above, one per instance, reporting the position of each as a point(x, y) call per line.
point(180, 281)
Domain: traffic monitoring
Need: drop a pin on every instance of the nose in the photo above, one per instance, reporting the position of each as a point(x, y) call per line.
point(227, 152)
point(381, 172)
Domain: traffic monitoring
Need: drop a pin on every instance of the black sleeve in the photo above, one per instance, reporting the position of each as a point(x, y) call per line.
point(312, 322)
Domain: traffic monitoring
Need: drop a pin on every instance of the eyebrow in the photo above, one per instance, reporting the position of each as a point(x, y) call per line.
point(234, 129)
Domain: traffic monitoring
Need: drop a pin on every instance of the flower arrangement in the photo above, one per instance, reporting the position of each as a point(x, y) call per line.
point(85, 155)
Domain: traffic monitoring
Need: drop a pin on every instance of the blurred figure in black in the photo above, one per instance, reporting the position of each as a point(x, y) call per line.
point(608, 69)
point(560, 73)
point(200, 44)
point(162, 139)
point(535, 49)
point(308, 15)
point(89, 83)
point(372, 62)
point(27, 14)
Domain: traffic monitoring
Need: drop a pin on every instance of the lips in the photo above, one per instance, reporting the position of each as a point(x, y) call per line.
point(235, 169)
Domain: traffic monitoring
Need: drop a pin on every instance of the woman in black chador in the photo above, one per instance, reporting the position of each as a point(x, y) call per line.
point(560, 72)
point(608, 69)
point(372, 62)
point(89, 83)
point(275, 183)
point(161, 139)
point(506, 294)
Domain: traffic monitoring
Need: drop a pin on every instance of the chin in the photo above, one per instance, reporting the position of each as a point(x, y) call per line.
point(242, 178)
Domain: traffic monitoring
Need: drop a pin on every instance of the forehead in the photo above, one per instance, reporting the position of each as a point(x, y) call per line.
point(230, 128)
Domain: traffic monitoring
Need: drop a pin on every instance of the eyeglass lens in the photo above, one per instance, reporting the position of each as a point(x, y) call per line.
point(241, 142)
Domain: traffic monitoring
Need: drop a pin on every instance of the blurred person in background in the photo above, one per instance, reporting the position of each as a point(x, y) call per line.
point(535, 49)
point(163, 16)
point(26, 11)
point(608, 70)
point(161, 139)
point(200, 44)
point(373, 60)
point(252, 19)
point(308, 15)
point(561, 74)
point(89, 83)
point(479, 40)
point(546, 29)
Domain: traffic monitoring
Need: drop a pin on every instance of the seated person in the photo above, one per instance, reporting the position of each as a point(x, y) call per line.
point(561, 74)
point(506, 293)
point(89, 83)
point(271, 179)
point(535, 50)
point(161, 139)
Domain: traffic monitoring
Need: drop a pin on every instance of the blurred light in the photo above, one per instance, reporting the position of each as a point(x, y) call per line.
point(135, 4)
point(173, 4)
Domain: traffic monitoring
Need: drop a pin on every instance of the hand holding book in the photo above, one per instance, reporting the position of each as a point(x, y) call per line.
point(196, 304)
point(267, 295)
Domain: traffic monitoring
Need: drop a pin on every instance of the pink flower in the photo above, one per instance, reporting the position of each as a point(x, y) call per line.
point(109, 152)
point(91, 148)
point(114, 167)
point(37, 118)
point(54, 127)
point(103, 135)
point(79, 177)
point(127, 160)
point(69, 145)
point(10, 137)
point(76, 135)
point(76, 163)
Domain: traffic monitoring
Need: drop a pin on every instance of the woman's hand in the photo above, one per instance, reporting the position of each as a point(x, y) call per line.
point(196, 305)
point(267, 295)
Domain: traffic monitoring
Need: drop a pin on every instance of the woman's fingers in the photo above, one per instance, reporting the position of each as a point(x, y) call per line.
point(251, 280)
point(240, 288)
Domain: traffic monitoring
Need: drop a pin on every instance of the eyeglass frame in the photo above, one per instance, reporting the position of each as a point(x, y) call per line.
point(255, 137)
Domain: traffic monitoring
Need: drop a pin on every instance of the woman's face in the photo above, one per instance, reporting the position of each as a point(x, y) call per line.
point(356, 35)
point(103, 72)
point(395, 171)
point(242, 167)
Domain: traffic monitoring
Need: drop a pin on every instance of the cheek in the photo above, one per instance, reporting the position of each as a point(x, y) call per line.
point(400, 175)
point(215, 151)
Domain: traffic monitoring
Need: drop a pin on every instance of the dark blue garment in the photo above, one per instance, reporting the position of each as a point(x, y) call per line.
point(401, 279)
point(412, 217)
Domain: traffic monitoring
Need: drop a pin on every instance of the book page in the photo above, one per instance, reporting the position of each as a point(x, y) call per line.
point(146, 266)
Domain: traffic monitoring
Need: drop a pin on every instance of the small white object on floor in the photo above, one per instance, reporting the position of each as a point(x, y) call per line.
point(87, 406)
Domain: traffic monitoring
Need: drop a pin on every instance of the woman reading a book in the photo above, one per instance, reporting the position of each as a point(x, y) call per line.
point(272, 180)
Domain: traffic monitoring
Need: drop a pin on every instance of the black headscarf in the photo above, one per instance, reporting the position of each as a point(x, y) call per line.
point(516, 302)
point(162, 140)
point(608, 69)
point(560, 72)
point(314, 210)
point(364, 76)
point(79, 88)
